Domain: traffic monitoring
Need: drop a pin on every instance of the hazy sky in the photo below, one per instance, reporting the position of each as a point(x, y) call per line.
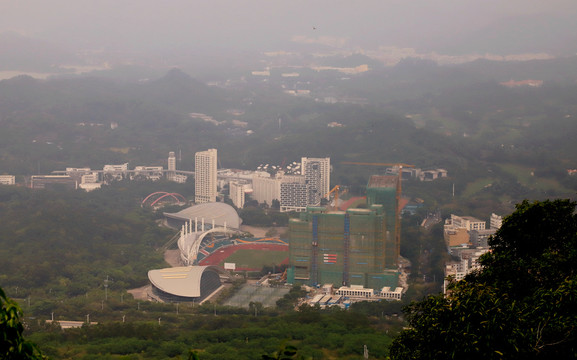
point(255, 23)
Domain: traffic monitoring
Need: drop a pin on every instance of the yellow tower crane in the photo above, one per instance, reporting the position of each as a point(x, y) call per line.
point(336, 191)
point(397, 197)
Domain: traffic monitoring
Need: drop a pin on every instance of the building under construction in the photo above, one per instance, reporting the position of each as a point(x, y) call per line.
point(352, 247)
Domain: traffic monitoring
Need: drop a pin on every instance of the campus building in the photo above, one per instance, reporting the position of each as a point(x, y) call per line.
point(205, 176)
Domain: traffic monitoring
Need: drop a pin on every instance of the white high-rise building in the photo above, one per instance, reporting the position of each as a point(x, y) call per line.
point(237, 191)
point(171, 174)
point(205, 176)
point(317, 172)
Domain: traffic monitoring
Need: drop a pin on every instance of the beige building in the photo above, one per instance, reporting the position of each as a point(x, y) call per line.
point(457, 228)
point(236, 191)
point(205, 176)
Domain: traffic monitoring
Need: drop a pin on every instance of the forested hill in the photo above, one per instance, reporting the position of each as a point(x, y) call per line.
point(68, 242)
point(496, 142)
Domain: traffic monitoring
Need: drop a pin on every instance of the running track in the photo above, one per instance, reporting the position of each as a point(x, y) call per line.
point(222, 253)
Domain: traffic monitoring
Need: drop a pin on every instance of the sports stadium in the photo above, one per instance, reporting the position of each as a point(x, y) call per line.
point(210, 241)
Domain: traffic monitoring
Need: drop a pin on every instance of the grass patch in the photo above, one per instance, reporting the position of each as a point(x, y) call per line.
point(525, 177)
point(476, 186)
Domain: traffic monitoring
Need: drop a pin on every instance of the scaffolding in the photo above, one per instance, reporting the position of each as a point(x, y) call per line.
point(340, 247)
point(382, 190)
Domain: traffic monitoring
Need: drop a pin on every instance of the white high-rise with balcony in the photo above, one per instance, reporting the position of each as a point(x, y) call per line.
point(317, 172)
point(205, 176)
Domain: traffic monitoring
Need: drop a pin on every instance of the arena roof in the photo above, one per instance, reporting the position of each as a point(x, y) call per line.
point(180, 281)
point(221, 213)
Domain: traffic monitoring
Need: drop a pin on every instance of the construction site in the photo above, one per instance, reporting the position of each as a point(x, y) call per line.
point(351, 248)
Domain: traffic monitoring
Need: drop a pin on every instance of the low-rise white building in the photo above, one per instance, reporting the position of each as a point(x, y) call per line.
point(355, 291)
point(7, 180)
point(153, 173)
point(391, 294)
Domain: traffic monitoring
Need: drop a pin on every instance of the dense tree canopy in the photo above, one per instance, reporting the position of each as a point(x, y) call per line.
point(522, 304)
point(12, 343)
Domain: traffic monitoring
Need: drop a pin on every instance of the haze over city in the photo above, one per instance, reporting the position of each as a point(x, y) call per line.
point(268, 179)
point(264, 25)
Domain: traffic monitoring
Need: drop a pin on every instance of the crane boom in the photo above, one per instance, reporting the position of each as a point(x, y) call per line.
point(336, 191)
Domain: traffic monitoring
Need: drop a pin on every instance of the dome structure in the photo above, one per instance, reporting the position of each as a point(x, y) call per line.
point(184, 283)
point(222, 214)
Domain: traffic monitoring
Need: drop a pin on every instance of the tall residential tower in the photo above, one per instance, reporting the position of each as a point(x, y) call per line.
point(205, 183)
point(171, 174)
point(317, 172)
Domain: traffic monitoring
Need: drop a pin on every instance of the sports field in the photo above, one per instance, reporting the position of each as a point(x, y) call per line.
point(249, 257)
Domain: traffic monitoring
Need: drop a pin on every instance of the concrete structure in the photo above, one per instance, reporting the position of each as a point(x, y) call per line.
point(171, 174)
point(294, 195)
point(184, 284)
point(205, 176)
point(495, 221)
point(356, 291)
point(265, 188)
point(50, 181)
point(468, 262)
point(465, 222)
point(317, 173)
point(430, 175)
point(292, 191)
point(480, 238)
point(114, 172)
point(90, 186)
point(153, 173)
point(7, 180)
point(457, 229)
point(180, 178)
point(341, 248)
point(391, 294)
point(89, 178)
point(236, 191)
